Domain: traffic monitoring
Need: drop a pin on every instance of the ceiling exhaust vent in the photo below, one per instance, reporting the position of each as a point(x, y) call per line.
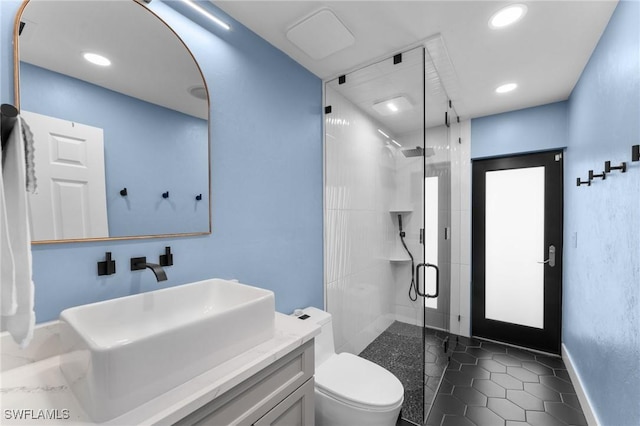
point(320, 35)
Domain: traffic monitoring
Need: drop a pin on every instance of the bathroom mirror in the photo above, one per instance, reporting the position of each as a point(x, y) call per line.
point(150, 107)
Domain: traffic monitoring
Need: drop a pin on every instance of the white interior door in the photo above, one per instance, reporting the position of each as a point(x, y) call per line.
point(70, 201)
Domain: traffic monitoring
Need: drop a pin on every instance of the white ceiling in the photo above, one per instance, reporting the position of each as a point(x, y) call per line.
point(544, 53)
point(148, 61)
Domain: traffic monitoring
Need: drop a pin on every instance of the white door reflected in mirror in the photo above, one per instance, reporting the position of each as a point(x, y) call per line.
point(70, 200)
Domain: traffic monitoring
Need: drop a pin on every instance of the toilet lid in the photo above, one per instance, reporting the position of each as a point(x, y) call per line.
point(357, 381)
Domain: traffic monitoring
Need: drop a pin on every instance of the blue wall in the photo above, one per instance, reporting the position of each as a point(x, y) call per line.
point(540, 128)
point(149, 149)
point(601, 301)
point(602, 273)
point(266, 160)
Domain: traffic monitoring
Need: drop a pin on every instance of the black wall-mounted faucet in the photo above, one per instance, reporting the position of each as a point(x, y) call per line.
point(166, 259)
point(140, 263)
point(108, 266)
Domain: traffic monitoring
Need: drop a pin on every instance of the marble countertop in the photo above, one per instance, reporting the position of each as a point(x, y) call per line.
point(34, 391)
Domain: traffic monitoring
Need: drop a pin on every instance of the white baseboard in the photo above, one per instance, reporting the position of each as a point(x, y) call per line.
point(585, 403)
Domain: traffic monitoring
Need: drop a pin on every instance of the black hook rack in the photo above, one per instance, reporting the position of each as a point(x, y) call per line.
point(635, 153)
point(602, 175)
point(165, 194)
point(608, 168)
point(124, 192)
point(580, 182)
point(199, 197)
point(108, 266)
point(166, 259)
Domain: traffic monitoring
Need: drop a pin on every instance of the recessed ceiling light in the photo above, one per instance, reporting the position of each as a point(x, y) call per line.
point(96, 59)
point(505, 88)
point(507, 16)
point(392, 106)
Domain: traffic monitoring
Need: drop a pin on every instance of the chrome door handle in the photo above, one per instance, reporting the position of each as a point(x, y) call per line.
point(552, 257)
point(427, 265)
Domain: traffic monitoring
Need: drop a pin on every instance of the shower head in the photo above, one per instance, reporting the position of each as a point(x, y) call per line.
point(418, 152)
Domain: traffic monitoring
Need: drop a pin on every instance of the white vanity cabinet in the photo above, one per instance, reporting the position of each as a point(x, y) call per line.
point(281, 394)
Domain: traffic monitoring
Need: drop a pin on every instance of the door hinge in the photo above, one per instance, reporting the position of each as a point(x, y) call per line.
point(558, 157)
point(421, 235)
point(459, 317)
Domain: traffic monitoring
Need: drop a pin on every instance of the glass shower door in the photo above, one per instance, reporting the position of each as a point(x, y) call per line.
point(386, 212)
point(436, 274)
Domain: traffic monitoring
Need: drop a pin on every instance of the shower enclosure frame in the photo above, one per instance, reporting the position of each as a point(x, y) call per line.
point(329, 197)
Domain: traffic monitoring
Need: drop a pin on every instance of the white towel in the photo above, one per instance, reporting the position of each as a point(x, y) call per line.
point(19, 324)
point(8, 303)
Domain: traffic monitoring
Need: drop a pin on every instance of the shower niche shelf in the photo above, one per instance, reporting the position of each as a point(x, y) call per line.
point(399, 259)
point(400, 209)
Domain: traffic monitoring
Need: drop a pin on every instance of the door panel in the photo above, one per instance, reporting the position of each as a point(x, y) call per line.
point(70, 200)
point(517, 247)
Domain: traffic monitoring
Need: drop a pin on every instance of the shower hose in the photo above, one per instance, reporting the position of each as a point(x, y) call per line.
point(413, 291)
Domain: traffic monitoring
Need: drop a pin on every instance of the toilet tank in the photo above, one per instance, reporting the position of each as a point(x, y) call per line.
point(324, 346)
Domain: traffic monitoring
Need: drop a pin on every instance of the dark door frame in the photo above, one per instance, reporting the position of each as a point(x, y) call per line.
point(549, 338)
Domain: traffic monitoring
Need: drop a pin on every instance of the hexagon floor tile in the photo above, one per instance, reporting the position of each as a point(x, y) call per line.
point(518, 388)
point(483, 383)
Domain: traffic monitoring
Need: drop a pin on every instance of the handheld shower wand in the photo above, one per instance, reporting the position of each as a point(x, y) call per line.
point(413, 291)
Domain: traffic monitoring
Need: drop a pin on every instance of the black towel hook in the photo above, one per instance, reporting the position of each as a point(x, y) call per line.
point(123, 192)
point(165, 194)
point(580, 182)
point(622, 167)
point(198, 197)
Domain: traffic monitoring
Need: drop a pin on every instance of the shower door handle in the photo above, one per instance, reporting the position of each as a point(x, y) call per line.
point(427, 265)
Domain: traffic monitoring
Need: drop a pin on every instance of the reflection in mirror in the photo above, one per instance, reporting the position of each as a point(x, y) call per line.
point(135, 117)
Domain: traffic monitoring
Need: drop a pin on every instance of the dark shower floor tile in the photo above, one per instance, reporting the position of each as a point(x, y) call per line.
point(518, 388)
point(399, 350)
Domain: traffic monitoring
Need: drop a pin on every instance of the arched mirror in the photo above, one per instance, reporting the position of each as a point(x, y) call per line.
point(118, 109)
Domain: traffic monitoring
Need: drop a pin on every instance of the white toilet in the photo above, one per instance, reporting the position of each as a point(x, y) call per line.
point(350, 390)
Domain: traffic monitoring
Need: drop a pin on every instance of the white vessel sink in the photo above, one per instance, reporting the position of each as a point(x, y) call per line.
point(125, 352)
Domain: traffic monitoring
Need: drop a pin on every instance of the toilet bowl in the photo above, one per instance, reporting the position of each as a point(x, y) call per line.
point(350, 390)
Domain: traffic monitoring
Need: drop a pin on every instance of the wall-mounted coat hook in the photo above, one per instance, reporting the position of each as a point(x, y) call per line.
point(108, 266)
point(123, 192)
point(580, 182)
point(622, 167)
point(635, 153)
point(165, 194)
point(199, 197)
point(166, 259)
point(602, 175)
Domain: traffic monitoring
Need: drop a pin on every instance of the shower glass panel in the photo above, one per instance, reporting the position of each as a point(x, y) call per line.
point(387, 210)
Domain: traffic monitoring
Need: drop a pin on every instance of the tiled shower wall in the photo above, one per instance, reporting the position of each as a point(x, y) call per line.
point(359, 187)
point(460, 146)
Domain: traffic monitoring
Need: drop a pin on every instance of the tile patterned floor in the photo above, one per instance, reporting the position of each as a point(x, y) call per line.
point(491, 384)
